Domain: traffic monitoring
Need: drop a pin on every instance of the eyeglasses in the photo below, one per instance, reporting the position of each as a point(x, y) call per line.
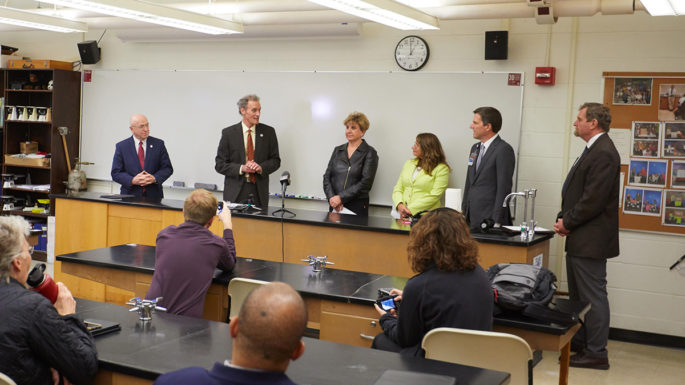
point(29, 250)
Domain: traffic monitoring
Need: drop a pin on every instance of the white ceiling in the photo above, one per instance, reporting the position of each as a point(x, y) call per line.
point(282, 18)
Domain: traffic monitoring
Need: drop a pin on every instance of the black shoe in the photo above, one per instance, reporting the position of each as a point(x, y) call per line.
point(582, 360)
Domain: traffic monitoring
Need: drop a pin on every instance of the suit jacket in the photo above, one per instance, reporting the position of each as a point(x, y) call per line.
point(425, 191)
point(485, 189)
point(231, 155)
point(589, 202)
point(126, 165)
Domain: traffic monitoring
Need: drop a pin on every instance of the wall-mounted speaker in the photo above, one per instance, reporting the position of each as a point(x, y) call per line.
point(89, 51)
point(496, 45)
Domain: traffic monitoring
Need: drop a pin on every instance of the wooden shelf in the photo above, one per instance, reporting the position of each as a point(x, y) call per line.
point(27, 190)
point(64, 102)
point(28, 214)
point(27, 166)
point(39, 255)
point(28, 91)
point(29, 121)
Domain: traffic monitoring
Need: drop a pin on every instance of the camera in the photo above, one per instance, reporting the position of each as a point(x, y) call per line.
point(220, 207)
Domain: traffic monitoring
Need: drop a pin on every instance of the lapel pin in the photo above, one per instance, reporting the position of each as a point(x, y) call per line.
point(150, 146)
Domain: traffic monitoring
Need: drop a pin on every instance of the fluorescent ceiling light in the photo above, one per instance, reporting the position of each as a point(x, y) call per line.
point(664, 7)
point(34, 20)
point(388, 12)
point(156, 14)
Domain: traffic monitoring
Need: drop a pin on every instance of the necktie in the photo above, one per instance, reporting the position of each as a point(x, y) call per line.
point(582, 155)
point(480, 156)
point(574, 166)
point(250, 154)
point(141, 158)
point(141, 155)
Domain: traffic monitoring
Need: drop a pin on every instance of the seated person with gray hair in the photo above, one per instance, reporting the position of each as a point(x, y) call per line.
point(267, 335)
point(39, 343)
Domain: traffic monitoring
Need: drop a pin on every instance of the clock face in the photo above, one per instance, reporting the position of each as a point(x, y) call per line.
point(411, 53)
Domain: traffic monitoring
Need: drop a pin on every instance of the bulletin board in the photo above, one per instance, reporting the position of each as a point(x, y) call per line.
point(627, 95)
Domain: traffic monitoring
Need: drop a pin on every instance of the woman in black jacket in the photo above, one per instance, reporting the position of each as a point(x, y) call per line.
point(450, 288)
point(352, 168)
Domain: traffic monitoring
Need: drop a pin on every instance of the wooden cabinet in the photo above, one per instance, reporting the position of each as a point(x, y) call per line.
point(36, 103)
point(348, 323)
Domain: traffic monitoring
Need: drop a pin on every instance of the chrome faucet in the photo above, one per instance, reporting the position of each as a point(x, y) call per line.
point(507, 200)
point(527, 227)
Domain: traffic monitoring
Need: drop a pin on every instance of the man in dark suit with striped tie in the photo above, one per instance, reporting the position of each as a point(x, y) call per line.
point(589, 221)
point(247, 154)
point(490, 171)
point(141, 163)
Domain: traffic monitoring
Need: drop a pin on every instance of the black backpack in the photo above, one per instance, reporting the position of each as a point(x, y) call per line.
point(526, 289)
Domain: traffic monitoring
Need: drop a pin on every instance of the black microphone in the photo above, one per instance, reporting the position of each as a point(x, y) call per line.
point(285, 178)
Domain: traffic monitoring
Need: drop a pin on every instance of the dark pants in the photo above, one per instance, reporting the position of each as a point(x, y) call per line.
point(382, 342)
point(587, 282)
point(244, 195)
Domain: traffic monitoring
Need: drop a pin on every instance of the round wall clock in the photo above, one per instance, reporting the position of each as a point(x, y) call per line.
point(411, 53)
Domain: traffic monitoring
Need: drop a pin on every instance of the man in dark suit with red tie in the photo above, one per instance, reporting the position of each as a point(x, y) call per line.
point(141, 163)
point(589, 221)
point(247, 154)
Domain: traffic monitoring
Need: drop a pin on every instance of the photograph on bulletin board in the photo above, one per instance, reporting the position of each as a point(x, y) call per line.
point(650, 173)
point(642, 201)
point(678, 174)
point(671, 102)
point(674, 208)
point(651, 202)
point(646, 139)
point(674, 140)
point(633, 91)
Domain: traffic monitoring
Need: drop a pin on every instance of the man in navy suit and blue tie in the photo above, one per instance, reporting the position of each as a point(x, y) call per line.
point(141, 163)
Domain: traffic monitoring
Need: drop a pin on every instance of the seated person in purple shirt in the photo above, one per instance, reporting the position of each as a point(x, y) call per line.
point(267, 335)
point(187, 255)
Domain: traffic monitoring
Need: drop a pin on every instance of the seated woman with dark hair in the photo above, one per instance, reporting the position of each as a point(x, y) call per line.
point(450, 289)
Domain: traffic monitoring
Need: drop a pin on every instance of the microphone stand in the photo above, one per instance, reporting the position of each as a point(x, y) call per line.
point(283, 210)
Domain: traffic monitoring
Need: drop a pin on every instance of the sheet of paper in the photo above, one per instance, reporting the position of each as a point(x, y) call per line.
point(345, 210)
point(621, 139)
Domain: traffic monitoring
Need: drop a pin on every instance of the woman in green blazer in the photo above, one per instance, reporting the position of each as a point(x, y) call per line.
point(423, 179)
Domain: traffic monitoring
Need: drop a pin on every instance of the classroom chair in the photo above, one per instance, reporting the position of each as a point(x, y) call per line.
point(238, 289)
point(5, 380)
point(490, 350)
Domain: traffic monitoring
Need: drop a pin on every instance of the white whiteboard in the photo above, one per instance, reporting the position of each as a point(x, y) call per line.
point(188, 110)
